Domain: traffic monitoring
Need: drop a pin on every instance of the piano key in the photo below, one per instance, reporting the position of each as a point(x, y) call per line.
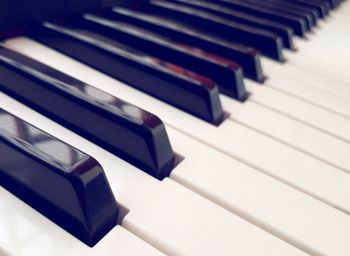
point(322, 9)
point(298, 25)
point(336, 73)
point(225, 73)
point(167, 197)
point(296, 87)
point(309, 19)
point(281, 30)
point(169, 82)
point(308, 140)
point(307, 9)
point(267, 43)
point(285, 212)
point(24, 224)
point(300, 110)
point(186, 226)
point(331, 60)
point(237, 141)
point(247, 58)
point(104, 119)
point(66, 185)
point(312, 75)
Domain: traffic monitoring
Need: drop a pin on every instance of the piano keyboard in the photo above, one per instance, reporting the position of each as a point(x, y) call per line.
point(114, 138)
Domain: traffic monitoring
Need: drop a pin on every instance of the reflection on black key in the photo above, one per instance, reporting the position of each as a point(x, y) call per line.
point(268, 43)
point(170, 83)
point(64, 184)
point(285, 32)
point(226, 74)
point(298, 24)
point(121, 128)
point(246, 57)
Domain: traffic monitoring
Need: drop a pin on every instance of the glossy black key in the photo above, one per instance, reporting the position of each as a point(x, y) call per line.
point(121, 128)
point(66, 185)
point(246, 57)
point(268, 43)
point(285, 32)
point(308, 18)
point(322, 8)
point(226, 74)
point(175, 85)
point(300, 8)
point(298, 24)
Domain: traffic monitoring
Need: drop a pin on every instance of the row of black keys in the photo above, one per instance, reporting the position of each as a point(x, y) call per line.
point(182, 52)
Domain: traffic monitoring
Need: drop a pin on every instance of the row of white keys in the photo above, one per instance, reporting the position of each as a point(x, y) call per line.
point(327, 52)
point(302, 90)
point(168, 216)
point(299, 109)
point(279, 209)
point(320, 145)
point(316, 73)
point(270, 156)
point(310, 87)
point(320, 85)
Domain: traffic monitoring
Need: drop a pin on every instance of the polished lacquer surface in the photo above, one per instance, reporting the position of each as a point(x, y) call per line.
point(225, 73)
point(142, 71)
point(61, 182)
point(120, 127)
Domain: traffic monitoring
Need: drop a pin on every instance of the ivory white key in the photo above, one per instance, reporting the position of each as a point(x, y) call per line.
point(317, 57)
point(165, 214)
point(300, 110)
point(181, 215)
point(235, 140)
point(291, 80)
point(298, 135)
point(331, 70)
point(307, 82)
point(279, 209)
point(24, 232)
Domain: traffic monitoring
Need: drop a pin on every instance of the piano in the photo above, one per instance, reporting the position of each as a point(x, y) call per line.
point(174, 127)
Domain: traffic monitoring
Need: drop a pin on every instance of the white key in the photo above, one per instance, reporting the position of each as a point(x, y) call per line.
point(305, 77)
point(301, 84)
point(330, 70)
point(300, 110)
point(309, 140)
point(260, 199)
point(269, 156)
point(173, 220)
point(25, 232)
point(149, 203)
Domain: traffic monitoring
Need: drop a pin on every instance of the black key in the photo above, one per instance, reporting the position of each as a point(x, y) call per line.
point(298, 24)
point(294, 6)
point(322, 9)
point(66, 185)
point(226, 74)
point(309, 19)
point(246, 57)
point(268, 43)
point(121, 128)
point(285, 32)
point(173, 84)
